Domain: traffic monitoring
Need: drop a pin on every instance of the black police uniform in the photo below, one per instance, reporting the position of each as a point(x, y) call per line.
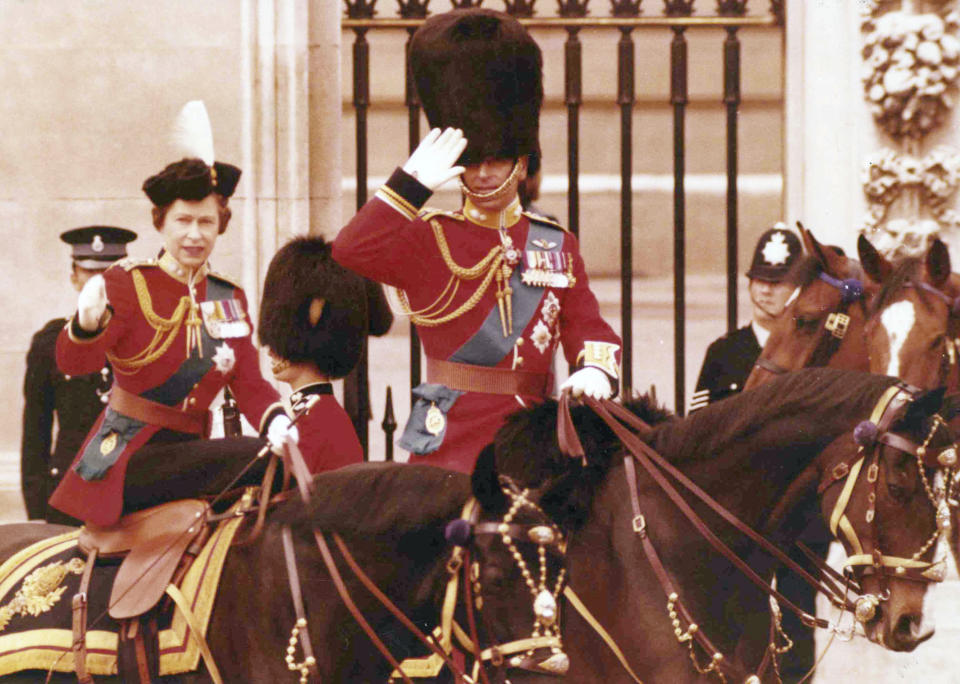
point(72, 403)
point(726, 366)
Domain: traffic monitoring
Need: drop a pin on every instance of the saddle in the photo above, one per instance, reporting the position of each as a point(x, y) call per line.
point(156, 547)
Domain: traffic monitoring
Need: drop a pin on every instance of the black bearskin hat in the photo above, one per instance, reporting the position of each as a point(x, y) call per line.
point(191, 179)
point(480, 71)
point(300, 272)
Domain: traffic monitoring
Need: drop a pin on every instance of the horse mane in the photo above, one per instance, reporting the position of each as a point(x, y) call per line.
point(810, 405)
point(904, 273)
point(794, 402)
point(380, 498)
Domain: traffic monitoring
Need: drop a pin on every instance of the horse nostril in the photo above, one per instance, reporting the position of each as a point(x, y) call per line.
point(910, 633)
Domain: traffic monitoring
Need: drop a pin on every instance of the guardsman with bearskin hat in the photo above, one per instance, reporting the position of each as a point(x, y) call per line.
point(175, 333)
point(73, 401)
point(729, 359)
point(492, 289)
point(314, 318)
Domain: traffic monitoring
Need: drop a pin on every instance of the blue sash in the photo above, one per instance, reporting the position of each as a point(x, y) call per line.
point(487, 347)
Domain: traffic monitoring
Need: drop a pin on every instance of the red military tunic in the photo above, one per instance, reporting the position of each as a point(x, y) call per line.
point(327, 438)
point(442, 263)
point(171, 354)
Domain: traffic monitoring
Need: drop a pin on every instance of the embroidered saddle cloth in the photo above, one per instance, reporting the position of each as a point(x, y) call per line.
point(38, 583)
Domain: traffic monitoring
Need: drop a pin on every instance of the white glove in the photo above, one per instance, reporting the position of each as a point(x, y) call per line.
point(432, 163)
point(91, 303)
point(279, 432)
point(590, 381)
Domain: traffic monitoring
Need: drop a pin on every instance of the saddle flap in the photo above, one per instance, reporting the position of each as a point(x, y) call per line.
point(155, 540)
point(139, 527)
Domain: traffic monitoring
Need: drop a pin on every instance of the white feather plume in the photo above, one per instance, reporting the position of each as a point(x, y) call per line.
point(192, 133)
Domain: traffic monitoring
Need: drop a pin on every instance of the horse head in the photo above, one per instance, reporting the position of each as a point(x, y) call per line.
point(516, 548)
point(885, 495)
point(824, 317)
point(914, 323)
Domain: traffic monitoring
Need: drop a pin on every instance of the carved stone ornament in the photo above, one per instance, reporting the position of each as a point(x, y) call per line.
point(911, 64)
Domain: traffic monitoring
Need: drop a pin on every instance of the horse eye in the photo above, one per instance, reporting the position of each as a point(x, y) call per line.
point(898, 493)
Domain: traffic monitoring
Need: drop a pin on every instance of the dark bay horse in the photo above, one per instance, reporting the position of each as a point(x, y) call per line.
point(393, 518)
point(762, 455)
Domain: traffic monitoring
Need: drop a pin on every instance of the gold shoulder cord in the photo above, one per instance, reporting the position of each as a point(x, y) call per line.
point(166, 329)
point(488, 267)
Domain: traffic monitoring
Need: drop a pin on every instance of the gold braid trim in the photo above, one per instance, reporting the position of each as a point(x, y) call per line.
point(488, 267)
point(166, 329)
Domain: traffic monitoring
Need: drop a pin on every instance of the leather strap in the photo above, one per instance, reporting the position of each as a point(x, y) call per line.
point(79, 606)
point(470, 378)
point(196, 629)
point(599, 629)
point(154, 413)
point(293, 576)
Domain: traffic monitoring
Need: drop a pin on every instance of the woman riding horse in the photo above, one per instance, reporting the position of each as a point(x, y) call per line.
point(175, 333)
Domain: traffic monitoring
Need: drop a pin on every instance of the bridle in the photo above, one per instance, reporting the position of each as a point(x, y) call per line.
point(630, 430)
point(541, 652)
point(834, 327)
point(868, 558)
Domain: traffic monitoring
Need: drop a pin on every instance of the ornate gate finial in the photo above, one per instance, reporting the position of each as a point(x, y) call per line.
point(678, 8)
point(519, 8)
point(731, 8)
point(625, 8)
point(570, 9)
point(413, 9)
point(361, 9)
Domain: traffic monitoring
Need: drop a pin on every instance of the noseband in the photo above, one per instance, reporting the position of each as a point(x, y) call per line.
point(834, 327)
point(869, 558)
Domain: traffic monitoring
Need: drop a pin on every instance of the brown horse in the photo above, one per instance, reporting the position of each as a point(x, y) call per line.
point(823, 322)
point(393, 518)
point(766, 456)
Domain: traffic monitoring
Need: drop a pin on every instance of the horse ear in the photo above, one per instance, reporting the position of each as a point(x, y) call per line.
point(485, 482)
point(922, 407)
point(938, 263)
point(829, 258)
point(875, 265)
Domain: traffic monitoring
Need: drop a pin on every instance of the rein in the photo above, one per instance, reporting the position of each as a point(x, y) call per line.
point(657, 467)
point(546, 633)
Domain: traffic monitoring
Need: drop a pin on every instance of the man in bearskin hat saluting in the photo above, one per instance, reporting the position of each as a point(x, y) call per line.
point(492, 290)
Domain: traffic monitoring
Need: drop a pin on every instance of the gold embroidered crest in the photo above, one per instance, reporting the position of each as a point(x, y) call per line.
point(40, 590)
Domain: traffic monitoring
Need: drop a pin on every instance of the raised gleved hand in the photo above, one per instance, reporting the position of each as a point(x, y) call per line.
point(432, 163)
point(590, 381)
point(92, 303)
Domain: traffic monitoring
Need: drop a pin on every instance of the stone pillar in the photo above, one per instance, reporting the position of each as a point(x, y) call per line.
point(870, 89)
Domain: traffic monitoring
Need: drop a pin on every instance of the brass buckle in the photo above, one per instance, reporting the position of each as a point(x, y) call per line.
point(639, 524)
point(840, 470)
point(837, 324)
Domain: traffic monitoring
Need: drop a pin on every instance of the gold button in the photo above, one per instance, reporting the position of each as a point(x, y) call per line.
point(192, 401)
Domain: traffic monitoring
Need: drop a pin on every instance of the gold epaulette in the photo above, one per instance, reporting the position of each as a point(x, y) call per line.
point(545, 220)
point(428, 213)
point(228, 280)
point(129, 263)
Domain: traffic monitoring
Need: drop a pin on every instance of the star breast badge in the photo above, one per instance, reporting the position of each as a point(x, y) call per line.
point(224, 358)
point(776, 250)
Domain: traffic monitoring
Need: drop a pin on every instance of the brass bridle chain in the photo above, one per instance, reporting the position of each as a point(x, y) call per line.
point(545, 600)
point(940, 503)
point(687, 638)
